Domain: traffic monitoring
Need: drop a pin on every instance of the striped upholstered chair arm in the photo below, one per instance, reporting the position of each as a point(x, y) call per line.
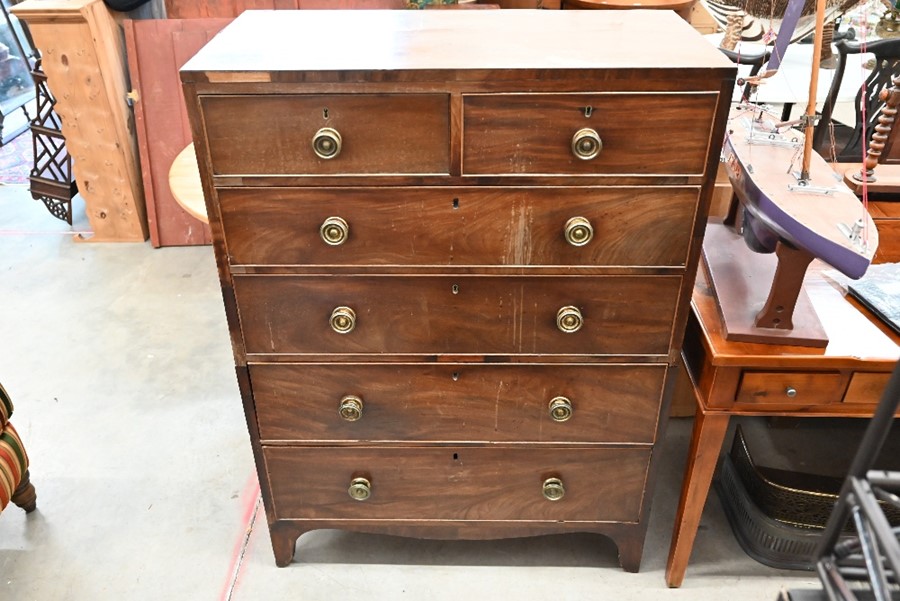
point(14, 482)
point(13, 464)
point(6, 407)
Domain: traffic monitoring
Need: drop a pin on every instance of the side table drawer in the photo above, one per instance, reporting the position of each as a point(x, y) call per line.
point(533, 133)
point(866, 387)
point(459, 226)
point(457, 315)
point(457, 402)
point(790, 388)
point(379, 133)
point(464, 483)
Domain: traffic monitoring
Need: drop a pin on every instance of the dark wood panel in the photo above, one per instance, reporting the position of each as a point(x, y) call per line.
point(381, 133)
point(457, 315)
point(460, 402)
point(459, 226)
point(532, 133)
point(464, 483)
point(157, 48)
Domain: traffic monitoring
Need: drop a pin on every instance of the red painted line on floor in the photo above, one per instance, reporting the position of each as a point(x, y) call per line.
point(250, 502)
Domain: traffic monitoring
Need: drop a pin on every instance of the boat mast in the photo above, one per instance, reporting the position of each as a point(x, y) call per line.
point(810, 117)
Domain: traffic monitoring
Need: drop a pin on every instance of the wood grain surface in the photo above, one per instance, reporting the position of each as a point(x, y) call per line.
point(623, 315)
point(459, 226)
point(494, 483)
point(458, 402)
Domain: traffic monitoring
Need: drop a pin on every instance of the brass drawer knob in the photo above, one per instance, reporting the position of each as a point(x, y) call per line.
point(560, 409)
point(326, 143)
point(343, 320)
point(334, 231)
point(360, 489)
point(586, 144)
point(569, 319)
point(351, 408)
point(790, 391)
point(553, 489)
point(578, 231)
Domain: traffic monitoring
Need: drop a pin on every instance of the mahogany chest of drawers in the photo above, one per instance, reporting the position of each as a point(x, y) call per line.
point(456, 251)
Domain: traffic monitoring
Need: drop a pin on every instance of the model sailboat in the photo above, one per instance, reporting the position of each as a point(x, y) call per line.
point(793, 204)
point(788, 191)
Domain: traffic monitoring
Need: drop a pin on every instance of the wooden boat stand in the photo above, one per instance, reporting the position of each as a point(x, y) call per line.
point(751, 310)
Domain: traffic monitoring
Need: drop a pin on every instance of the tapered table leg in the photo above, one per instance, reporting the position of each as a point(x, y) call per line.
point(706, 444)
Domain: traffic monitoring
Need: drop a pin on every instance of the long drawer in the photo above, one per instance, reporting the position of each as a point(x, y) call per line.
point(641, 134)
point(457, 402)
point(376, 133)
point(466, 483)
point(566, 315)
point(459, 226)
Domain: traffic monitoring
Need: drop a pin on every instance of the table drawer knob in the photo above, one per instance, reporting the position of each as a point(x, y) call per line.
point(586, 144)
point(360, 489)
point(569, 319)
point(343, 320)
point(351, 408)
point(790, 391)
point(560, 409)
point(326, 143)
point(553, 489)
point(334, 231)
point(578, 231)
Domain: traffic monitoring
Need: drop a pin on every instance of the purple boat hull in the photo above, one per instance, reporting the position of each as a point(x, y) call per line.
point(779, 214)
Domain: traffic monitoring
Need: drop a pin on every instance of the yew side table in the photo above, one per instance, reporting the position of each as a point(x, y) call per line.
point(845, 379)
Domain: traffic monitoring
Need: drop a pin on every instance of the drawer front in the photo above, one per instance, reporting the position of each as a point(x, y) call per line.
point(790, 388)
point(640, 133)
point(457, 402)
point(456, 315)
point(459, 226)
point(866, 387)
point(457, 483)
point(379, 134)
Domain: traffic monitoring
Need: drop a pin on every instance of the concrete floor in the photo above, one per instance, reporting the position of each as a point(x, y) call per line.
point(119, 363)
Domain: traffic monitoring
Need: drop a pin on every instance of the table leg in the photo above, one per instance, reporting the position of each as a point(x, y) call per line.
point(706, 443)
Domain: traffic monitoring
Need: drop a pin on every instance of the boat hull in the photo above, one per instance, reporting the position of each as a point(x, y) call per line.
point(817, 218)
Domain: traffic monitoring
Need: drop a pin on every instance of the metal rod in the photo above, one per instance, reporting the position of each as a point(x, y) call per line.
point(869, 448)
point(813, 86)
point(880, 586)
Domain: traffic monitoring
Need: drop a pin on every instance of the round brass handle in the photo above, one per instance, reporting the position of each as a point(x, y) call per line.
point(326, 143)
point(343, 320)
point(360, 489)
point(560, 409)
point(334, 231)
point(586, 144)
point(569, 319)
point(553, 489)
point(351, 408)
point(578, 231)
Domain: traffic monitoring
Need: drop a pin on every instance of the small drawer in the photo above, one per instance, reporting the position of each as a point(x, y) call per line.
point(591, 226)
point(481, 315)
point(790, 388)
point(465, 483)
point(367, 134)
point(547, 134)
point(457, 402)
point(866, 388)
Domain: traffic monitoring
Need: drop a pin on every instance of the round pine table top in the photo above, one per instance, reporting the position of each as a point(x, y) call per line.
point(184, 182)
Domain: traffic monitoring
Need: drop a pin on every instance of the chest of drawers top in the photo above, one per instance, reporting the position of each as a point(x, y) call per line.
point(411, 97)
point(426, 46)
